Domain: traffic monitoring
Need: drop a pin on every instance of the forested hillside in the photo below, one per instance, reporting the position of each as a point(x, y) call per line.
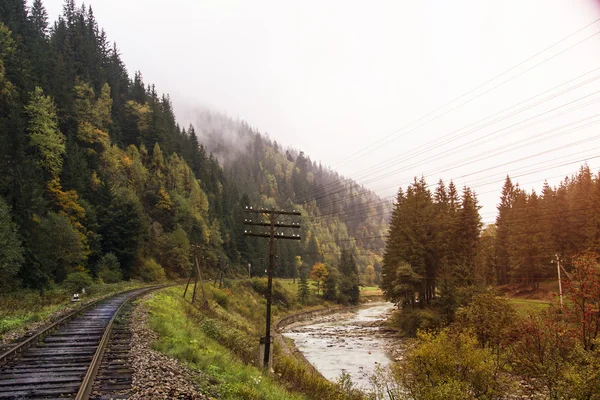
point(96, 175)
point(337, 212)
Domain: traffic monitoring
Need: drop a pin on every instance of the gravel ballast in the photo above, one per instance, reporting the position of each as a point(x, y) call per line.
point(156, 375)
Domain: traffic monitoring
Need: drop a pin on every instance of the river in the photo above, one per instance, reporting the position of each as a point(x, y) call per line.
point(352, 341)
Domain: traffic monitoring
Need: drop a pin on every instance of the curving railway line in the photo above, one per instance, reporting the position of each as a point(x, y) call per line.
point(85, 355)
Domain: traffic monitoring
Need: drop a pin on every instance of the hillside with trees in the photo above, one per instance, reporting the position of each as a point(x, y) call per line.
point(97, 177)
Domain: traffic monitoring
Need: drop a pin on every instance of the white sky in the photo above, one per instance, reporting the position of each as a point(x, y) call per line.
point(331, 78)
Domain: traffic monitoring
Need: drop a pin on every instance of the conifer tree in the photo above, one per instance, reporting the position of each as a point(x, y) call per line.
point(504, 223)
point(349, 281)
point(303, 289)
point(44, 136)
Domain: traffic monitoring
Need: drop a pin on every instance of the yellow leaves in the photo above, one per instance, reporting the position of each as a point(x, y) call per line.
point(111, 166)
point(88, 133)
point(93, 114)
point(7, 47)
point(7, 44)
point(68, 205)
point(103, 107)
point(164, 200)
point(68, 201)
point(158, 160)
point(142, 112)
point(319, 272)
point(198, 201)
point(95, 181)
point(126, 161)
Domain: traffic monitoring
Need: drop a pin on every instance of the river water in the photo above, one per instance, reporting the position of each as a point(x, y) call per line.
point(352, 341)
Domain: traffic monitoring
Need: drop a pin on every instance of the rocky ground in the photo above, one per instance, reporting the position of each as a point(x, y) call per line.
point(156, 375)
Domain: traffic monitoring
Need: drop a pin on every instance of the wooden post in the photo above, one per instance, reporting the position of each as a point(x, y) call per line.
point(205, 305)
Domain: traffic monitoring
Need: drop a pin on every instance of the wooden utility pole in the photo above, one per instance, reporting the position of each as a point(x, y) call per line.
point(195, 273)
point(559, 282)
point(272, 235)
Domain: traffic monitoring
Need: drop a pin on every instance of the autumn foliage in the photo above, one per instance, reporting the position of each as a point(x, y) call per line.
point(319, 274)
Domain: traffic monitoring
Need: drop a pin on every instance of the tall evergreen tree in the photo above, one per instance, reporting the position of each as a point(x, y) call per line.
point(504, 224)
point(349, 282)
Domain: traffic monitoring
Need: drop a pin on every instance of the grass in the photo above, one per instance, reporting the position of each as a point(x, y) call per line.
point(289, 285)
point(222, 342)
point(24, 307)
point(367, 292)
point(190, 336)
point(369, 288)
point(529, 306)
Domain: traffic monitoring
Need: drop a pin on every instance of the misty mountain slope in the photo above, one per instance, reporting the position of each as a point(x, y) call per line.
point(339, 212)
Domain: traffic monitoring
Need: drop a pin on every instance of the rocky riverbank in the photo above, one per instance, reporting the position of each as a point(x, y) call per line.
point(353, 341)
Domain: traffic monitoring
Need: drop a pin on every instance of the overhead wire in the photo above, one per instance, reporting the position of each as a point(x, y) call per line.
point(486, 154)
point(485, 83)
point(562, 147)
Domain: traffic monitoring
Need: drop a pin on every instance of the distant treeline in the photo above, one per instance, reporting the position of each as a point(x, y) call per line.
point(437, 256)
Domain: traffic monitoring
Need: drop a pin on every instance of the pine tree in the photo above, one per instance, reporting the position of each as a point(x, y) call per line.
point(349, 282)
point(468, 230)
point(330, 286)
point(303, 289)
point(504, 224)
point(39, 18)
point(44, 136)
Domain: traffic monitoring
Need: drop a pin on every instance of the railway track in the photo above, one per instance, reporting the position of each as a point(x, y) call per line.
point(85, 355)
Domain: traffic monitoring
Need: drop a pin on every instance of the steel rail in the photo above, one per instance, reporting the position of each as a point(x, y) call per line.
point(88, 381)
point(39, 336)
point(85, 383)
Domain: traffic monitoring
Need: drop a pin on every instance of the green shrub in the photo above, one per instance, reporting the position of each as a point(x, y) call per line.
point(76, 281)
point(491, 318)
point(410, 320)
point(221, 298)
point(109, 269)
point(259, 285)
point(151, 271)
point(450, 365)
point(280, 295)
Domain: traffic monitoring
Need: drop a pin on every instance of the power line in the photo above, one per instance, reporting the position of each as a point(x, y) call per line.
point(359, 216)
point(482, 85)
point(408, 155)
point(541, 153)
point(428, 146)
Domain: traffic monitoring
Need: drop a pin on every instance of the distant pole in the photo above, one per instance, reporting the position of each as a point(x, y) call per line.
point(205, 304)
point(269, 292)
point(272, 216)
point(188, 282)
point(559, 282)
point(249, 273)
